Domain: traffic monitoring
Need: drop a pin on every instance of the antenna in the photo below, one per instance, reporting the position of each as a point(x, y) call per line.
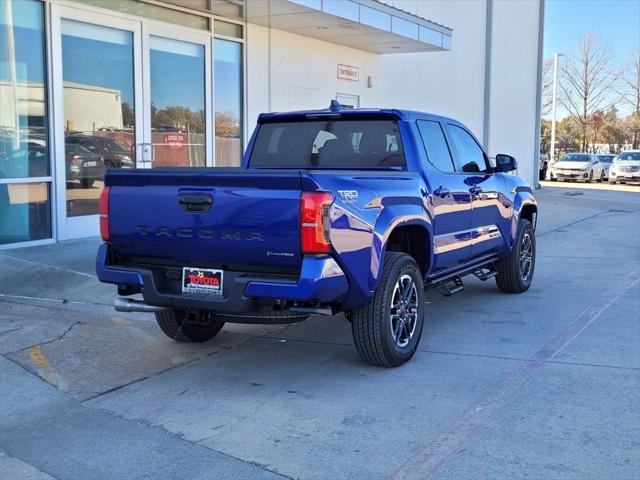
point(335, 106)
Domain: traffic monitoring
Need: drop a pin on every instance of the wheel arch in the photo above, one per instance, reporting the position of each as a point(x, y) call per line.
point(412, 239)
point(525, 206)
point(409, 232)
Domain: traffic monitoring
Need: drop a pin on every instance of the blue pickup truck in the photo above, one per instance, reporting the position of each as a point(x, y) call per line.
point(337, 210)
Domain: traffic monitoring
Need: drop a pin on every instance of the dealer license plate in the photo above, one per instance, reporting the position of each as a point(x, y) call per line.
point(202, 281)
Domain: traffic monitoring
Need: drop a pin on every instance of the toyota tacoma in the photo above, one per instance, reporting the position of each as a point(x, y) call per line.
point(337, 210)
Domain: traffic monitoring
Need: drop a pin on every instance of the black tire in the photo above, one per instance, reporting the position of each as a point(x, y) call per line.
point(174, 325)
point(601, 179)
point(612, 182)
point(86, 183)
point(510, 276)
point(590, 179)
point(372, 324)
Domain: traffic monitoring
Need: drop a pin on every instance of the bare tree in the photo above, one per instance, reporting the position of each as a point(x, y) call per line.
point(587, 83)
point(547, 87)
point(631, 94)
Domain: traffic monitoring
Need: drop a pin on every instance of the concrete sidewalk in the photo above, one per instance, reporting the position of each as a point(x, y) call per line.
point(539, 385)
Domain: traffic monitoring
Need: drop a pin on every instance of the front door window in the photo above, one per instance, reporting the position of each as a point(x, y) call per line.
point(472, 158)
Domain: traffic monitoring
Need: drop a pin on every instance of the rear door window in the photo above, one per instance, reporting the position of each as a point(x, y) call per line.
point(329, 143)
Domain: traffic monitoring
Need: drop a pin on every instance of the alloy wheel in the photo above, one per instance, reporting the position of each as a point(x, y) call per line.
point(526, 256)
point(404, 310)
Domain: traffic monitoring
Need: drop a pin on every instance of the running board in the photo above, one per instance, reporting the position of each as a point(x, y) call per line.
point(450, 286)
point(485, 273)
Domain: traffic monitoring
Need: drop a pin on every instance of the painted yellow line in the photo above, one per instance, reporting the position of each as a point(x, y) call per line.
point(46, 370)
point(39, 359)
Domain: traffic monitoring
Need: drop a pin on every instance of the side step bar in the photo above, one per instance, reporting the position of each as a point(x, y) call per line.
point(452, 285)
point(485, 273)
point(129, 305)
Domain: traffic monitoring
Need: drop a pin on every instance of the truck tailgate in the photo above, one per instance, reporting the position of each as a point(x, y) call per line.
point(206, 217)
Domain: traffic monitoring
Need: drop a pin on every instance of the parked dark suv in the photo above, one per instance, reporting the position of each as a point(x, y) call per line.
point(114, 154)
point(83, 165)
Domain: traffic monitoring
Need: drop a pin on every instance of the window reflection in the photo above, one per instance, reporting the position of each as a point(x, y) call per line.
point(23, 115)
point(98, 109)
point(228, 102)
point(177, 74)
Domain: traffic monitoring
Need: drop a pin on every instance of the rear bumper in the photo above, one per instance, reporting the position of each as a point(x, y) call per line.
point(321, 280)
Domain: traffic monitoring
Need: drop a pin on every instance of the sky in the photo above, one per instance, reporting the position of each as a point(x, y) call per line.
point(616, 21)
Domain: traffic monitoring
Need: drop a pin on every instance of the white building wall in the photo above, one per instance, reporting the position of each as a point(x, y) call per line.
point(449, 83)
point(303, 72)
point(514, 82)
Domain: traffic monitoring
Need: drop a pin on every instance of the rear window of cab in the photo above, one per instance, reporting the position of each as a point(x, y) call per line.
point(331, 144)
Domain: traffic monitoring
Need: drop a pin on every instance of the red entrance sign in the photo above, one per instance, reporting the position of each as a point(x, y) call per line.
point(346, 72)
point(175, 140)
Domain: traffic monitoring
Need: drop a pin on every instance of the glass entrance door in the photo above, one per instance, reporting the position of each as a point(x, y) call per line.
point(127, 94)
point(177, 70)
point(98, 104)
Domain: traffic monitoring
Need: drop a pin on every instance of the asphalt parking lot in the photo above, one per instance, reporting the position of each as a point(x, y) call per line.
point(541, 385)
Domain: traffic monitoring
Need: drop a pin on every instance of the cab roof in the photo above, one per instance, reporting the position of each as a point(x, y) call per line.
point(337, 111)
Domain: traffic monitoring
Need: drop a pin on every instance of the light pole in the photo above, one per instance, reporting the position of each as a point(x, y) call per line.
point(552, 147)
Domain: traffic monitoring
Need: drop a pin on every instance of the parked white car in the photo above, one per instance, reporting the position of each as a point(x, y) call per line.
point(625, 167)
point(606, 159)
point(578, 166)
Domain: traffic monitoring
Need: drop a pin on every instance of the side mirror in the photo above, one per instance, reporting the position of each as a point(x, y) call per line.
point(505, 163)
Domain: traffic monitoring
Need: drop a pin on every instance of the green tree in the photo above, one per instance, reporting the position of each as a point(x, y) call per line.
point(128, 116)
point(181, 118)
point(613, 131)
point(545, 135)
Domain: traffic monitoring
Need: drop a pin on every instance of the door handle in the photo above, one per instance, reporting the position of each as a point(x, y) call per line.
point(195, 203)
point(148, 151)
point(441, 191)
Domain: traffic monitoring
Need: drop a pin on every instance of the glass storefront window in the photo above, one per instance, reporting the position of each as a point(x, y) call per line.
point(25, 212)
point(228, 102)
point(227, 29)
point(155, 12)
point(25, 209)
point(224, 8)
point(23, 116)
point(177, 72)
point(99, 117)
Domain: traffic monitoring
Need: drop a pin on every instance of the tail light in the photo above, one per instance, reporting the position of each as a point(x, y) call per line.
point(314, 221)
point(103, 210)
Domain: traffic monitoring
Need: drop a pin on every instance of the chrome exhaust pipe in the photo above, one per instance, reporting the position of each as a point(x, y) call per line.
point(128, 305)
